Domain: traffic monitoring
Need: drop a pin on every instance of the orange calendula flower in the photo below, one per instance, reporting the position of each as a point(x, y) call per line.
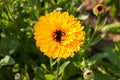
point(58, 34)
point(99, 9)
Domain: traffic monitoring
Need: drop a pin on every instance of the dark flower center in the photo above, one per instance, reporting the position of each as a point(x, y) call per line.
point(100, 8)
point(89, 73)
point(58, 35)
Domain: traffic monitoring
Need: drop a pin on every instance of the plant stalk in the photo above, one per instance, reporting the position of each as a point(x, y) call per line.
point(94, 33)
point(58, 65)
point(51, 67)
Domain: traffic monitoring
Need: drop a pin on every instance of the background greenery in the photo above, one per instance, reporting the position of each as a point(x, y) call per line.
point(20, 58)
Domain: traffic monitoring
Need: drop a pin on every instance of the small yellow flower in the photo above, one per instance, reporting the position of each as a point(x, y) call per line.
point(58, 34)
point(99, 9)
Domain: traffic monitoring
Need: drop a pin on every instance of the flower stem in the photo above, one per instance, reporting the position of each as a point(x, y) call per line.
point(58, 65)
point(51, 67)
point(96, 28)
point(93, 35)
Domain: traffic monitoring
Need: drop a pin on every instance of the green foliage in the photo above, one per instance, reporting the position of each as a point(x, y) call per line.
point(62, 67)
point(39, 73)
point(102, 24)
point(113, 28)
point(7, 60)
point(114, 5)
point(106, 68)
point(20, 58)
point(97, 39)
point(8, 45)
point(83, 16)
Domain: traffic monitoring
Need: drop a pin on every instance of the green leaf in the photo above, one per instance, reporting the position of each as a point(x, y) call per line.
point(69, 71)
point(83, 16)
point(113, 9)
point(117, 48)
point(99, 56)
point(112, 56)
point(112, 28)
point(107, 1)
point(80, 6)
point(87, 32)
point(115, 70)
point(39, 73)
point(7, 60)
point(54, 62)
point(8, 45)
point(109, 54)
point(102, 24)
point(16, 68)
point(97, 39)
point(100, 76)
point(49, 77)
point(63, 66)
point(43, 66)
